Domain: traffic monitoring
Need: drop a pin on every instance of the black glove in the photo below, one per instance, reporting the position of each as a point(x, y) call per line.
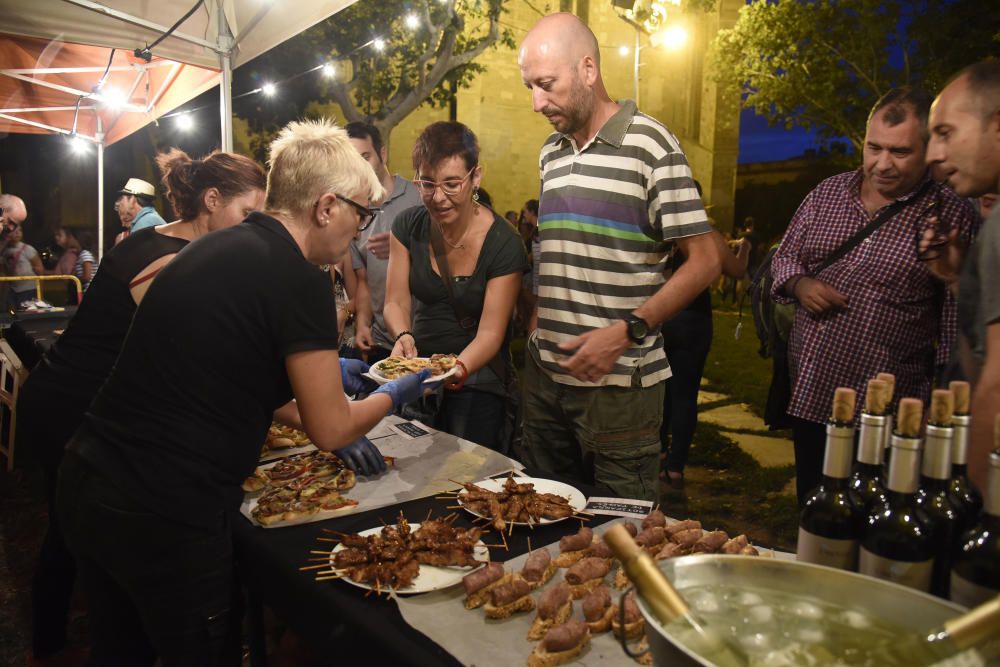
point(362, 457)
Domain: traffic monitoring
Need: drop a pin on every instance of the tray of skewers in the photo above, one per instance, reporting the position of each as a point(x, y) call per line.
point(521, 501)
point(407, 557)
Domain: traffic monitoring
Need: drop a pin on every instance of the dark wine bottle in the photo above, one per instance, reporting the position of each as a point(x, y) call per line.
point(960, 488)
point(897, 543)
point(832, 517)
point(890, 381)
point(945, 516)
point(867, 478)
point(975, 573)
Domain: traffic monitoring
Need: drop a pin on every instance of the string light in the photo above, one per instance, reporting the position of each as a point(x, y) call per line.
point(77, 145)
point(269, 89)
point(623, 51)
point(411, 21)
point(671, 38)
point(112, 98)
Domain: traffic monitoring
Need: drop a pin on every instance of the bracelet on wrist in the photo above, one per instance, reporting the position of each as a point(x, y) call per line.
point(403, 333)
point(465, 375)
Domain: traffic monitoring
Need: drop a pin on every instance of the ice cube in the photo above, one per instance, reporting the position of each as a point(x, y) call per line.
point(854, 619)
point(755, 641)
point(807, 610)
point(761, 613)
point(810, 635)
point(750, 599)
point(707, 603)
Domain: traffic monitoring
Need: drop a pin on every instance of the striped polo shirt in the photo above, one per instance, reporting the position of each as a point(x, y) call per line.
point(607, 213)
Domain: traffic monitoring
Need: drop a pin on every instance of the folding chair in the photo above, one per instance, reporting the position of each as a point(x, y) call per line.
point(12, 376)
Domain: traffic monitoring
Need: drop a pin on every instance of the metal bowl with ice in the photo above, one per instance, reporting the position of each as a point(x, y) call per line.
point(789, 613)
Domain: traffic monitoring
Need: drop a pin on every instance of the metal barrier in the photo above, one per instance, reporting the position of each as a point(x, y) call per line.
point(38, 283)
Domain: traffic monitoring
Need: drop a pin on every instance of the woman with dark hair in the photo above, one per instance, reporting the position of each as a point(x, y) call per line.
point(455, 267)
point(212, 193)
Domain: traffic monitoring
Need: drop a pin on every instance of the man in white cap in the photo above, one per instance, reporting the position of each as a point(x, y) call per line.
point(135, 207)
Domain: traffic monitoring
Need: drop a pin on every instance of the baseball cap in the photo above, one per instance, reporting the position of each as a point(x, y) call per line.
point(137, 186)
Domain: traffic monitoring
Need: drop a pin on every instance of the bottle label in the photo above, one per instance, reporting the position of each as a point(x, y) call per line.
point(841, 554)
point(907, 573)
point(969, 593)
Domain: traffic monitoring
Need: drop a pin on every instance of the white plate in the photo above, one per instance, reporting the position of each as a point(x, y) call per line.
point(576, 499)
point(374, 374)
point(431, 577)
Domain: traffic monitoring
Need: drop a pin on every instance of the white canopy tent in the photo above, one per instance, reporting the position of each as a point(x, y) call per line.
point(53, 53)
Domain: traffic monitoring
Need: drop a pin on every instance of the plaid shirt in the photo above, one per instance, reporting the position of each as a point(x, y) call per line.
point(899, 319)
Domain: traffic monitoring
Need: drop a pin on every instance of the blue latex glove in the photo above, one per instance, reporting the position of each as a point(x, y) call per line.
point(407, 389)
point(362, 457)
point(350, 375)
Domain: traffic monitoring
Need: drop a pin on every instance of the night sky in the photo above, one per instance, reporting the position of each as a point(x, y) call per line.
point(760, 143)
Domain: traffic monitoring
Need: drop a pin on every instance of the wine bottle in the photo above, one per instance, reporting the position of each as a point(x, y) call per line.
point(975, 574)
point(832, 517)
point(890, 381)
point(945, 516)
point(867, 478)
point(667, 604)
point(897, 543)
point(961, 489)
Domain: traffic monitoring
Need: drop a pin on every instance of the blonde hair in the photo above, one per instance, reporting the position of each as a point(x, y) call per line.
point(310, 158)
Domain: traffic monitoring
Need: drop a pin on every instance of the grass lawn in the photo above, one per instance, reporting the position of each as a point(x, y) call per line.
point(733, 365)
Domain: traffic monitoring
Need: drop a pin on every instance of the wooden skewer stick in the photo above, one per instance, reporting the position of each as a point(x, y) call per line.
point(331, 578)
point(453, 507)
point(321, 553)
point(327, 539)
point(319, 566)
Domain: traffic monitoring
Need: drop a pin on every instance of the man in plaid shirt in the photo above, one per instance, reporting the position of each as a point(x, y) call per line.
point(878, 308)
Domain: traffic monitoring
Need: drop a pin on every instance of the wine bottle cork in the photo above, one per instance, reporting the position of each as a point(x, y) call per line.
point(942, 407)
point(908, 417)
point(960, 388)
point(890, 380)
point(844, 399)
point(877, 397)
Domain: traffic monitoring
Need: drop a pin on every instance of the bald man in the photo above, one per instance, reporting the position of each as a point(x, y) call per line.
point(12, 210)
point(964, 148)
point(616, 191)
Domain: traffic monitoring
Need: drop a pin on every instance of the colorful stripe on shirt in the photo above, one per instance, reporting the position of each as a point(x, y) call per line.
point(606, 216)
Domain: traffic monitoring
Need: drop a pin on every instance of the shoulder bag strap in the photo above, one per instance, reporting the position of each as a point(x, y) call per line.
point(866, 231)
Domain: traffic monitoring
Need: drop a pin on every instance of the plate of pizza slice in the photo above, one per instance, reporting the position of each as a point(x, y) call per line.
point(442, 367)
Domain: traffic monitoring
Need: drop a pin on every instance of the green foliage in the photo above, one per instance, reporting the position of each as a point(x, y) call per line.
point(821, 64)
point(418, 65)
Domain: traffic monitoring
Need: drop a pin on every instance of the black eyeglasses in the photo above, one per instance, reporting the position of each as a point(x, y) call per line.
point(366, 216)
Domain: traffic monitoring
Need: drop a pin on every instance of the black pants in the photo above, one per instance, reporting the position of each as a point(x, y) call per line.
point(155, 587)
point(810, 446)
point(44, 438)
point(687, 339)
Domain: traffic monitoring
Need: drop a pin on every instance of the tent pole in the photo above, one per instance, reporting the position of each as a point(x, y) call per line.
point(226, 84)
point(100, 191)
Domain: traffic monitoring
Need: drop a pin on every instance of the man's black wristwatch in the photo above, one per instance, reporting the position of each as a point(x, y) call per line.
point(636, 328)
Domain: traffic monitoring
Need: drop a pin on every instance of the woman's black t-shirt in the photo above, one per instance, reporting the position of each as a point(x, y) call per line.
point(178, 424)
point(81, 358)
point(435, 326)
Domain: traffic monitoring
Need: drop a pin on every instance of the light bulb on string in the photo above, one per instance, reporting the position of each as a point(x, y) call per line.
point(378, 43)
point(185, 122)
point(329, 70)
point(269, 89)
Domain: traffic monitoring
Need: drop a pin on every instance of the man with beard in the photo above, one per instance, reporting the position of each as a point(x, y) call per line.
point(965, 149)
point(877, 308)
point(616, 190)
